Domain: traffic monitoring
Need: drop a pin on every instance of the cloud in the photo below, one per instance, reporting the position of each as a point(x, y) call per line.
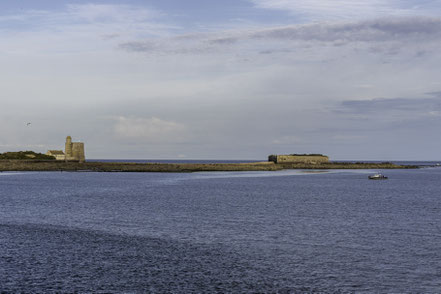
point(382, 36)
point(349, 138)
point(110, 13)
point(238, 93)
point(344, 9)
point(436, 94)
point(381, 105)
point(387, 115)
point(153, 129)
point(288, 140)
point(89, 20)
point(15, 146)
point(435, 113)
point(378, 30)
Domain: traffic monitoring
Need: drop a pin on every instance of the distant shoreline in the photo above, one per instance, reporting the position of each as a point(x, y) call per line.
point(96, 166)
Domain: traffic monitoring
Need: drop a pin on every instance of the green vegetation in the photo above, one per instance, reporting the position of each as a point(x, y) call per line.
point(25, 155)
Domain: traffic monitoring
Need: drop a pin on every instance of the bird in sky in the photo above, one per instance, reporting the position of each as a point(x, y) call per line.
point(28, 124)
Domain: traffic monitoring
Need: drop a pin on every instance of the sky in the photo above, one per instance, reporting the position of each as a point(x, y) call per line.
point(230, 79)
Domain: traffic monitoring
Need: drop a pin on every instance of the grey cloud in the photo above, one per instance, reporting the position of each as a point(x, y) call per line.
point(436, 94)
point(222, 41)
point(110, 36)
point(145, 46)
point(382, 105)
point(276, 51)
point(192, 37)
point(395, 32)
point(366, 31)
point(405, 119)
point(167, 47)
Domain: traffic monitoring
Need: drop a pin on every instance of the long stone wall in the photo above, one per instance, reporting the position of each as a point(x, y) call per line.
point(310, 159)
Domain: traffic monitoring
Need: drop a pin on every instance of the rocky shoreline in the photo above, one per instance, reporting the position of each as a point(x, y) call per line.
point(37, 165)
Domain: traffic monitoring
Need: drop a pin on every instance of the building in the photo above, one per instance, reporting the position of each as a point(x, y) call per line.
point(74, 151)
point(58, 154)
point(299, 158)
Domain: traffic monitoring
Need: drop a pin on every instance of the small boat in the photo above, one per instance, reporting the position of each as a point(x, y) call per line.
point(377, 176)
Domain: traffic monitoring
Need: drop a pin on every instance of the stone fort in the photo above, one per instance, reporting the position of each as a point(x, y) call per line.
point(299, 158)
point(74, 151)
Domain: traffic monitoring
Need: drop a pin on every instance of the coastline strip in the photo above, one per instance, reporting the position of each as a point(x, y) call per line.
point(33, 165)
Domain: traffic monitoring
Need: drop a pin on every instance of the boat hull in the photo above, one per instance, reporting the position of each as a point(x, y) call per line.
point(377, 178)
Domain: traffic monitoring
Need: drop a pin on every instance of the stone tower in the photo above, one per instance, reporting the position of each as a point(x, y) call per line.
point(68, 149)
point(78, 151)
point(74, 150)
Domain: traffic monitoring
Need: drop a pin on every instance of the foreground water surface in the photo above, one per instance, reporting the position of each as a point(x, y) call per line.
point(285, 231)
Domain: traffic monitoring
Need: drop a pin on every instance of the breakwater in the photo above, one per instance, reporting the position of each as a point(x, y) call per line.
point(33, 165)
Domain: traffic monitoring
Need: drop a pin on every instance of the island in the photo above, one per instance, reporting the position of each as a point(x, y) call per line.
point(35, 164)
point(53, 165)
point(74, 159)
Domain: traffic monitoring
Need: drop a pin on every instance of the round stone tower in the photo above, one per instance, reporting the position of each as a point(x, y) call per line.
point(68, 152)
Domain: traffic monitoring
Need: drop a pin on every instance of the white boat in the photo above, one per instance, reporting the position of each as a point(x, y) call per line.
point(377, 176)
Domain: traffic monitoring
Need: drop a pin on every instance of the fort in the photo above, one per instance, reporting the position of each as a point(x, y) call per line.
point(74, 151)
point(299, 158)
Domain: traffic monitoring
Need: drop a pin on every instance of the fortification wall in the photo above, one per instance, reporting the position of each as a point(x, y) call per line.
point(74, 150)
point(310, 159)
point(78, 151)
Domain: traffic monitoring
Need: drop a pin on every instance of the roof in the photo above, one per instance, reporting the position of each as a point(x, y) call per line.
point(56, 152)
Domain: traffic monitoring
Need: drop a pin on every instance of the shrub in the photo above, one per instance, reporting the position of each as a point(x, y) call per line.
point(25, 155)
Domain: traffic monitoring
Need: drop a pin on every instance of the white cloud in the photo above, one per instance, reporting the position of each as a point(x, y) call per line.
point(288, 140)
point(434, 113)
point(15, 146)
point(149, 129)
point(87, 21)
point(349, 138)
point(110, 13)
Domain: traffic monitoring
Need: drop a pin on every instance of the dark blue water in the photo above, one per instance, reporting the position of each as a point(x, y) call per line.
point(283, 232)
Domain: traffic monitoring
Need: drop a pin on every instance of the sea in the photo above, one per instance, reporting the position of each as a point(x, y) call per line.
point(289, 231)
